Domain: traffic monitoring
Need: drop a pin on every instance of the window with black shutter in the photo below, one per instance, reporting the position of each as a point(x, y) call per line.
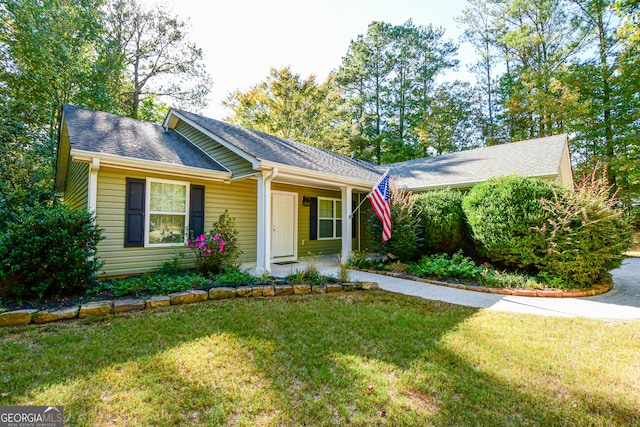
point(313, 219)
point(196, 211)
point(134, 213)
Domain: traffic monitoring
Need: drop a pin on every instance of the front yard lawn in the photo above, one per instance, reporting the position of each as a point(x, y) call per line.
point(362, 358)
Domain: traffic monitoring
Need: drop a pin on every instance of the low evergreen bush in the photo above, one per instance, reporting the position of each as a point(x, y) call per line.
point(502, 216)
point(442, 221)
point(49, 251)
point(586, 233)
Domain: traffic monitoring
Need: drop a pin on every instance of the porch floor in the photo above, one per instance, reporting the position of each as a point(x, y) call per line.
point(328, 265)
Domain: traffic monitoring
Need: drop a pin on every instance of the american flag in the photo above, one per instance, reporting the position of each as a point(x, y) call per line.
point(380, 198)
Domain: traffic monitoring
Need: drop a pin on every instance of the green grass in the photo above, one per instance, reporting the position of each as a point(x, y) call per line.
point(360, 358)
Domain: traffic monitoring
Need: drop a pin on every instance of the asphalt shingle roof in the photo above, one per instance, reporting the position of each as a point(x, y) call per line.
point(278, 150)
point(535, 157)
point(100, 132)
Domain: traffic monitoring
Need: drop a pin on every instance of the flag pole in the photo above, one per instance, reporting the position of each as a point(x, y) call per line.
point(367, 196)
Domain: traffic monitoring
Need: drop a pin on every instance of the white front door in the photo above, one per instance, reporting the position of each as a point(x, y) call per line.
point(284, 220)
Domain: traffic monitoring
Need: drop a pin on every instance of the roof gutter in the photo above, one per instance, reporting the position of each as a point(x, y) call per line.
point(149, 166)
point(313, 176)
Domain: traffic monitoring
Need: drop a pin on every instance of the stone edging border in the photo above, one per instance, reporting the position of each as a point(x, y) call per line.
point(106, 307)
point(596, 289)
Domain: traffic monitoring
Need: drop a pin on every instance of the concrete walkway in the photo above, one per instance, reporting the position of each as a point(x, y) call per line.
point(622, 302)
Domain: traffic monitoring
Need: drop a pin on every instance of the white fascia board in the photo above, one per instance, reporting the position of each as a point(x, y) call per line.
point(255, 163)
point(164, 168)
point(320, 177)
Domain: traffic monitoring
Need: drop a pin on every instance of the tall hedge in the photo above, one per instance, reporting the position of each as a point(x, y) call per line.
point(502, 215)
point(405, 236)
point(49, 251)
point(442, 221)
point(586, 233)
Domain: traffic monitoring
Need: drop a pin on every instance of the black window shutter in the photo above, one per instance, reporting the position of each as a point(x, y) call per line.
point(196, 211)
point(354, 222)
point(134, 213)
point(313, 219)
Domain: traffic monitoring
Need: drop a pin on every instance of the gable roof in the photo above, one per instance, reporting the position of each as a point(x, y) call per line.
point(539, 157)
point(271, 149)
point(105, 133)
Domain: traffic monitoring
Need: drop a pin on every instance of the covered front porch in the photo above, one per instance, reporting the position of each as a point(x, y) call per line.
point(299, 215)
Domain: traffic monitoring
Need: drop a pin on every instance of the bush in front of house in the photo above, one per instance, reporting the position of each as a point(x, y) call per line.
point(405, 236)
point(218, 250)
point(442, 222)
point(442, 266)
point(502, 216)
point(586, 233)
point(48, 251)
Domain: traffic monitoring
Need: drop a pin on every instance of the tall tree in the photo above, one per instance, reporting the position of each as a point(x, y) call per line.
point(154, 55)
point(387, 77)
point(364, 73)
point(48, 56)
point(540, 38)
point(478, 17)
point(290, 107)
point(448, 123)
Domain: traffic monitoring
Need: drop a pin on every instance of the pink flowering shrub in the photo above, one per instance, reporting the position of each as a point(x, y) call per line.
point(217, 250)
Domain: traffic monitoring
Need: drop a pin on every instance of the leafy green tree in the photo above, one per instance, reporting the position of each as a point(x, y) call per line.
point(387, 77)
point(540, 38)
point(290, 107)
point(154, 57)
point(364, 76)
point(48, 57)
point(24, 181)
point(480, 32)
point(448, 123)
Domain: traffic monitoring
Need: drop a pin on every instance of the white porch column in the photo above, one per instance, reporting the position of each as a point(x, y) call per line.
point(347, 197)
point(92, 189)
point(263, 249)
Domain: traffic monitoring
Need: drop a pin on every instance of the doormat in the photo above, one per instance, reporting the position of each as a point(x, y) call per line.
point(286, 262)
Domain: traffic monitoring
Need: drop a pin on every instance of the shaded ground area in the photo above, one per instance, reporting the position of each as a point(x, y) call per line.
point(622, 302)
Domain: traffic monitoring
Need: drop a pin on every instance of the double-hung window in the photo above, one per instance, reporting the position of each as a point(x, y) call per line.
point(168, 208)
point(329, 218)
point(159, 212)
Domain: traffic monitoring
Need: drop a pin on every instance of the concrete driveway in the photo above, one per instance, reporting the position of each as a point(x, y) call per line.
point(622, 302)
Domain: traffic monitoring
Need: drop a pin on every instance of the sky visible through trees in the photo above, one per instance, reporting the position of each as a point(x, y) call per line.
point(540, 68)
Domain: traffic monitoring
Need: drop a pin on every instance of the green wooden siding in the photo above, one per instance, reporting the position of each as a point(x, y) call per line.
point(236, 164)
point(76, 194)
point(239, 198)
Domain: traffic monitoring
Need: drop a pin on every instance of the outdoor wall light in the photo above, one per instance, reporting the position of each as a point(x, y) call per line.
point(306, 201)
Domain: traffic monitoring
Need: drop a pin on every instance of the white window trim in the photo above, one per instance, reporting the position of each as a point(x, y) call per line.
point(147, 213)
point(334, 218)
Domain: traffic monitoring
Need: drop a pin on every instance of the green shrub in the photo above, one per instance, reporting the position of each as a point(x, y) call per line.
point(586, 233)
point(218, 250)
point(442, 221)
point(49, 251)
point(442, 266)
point(233, 277)
point(502, 214)
point(405, 236)
point(152, 284)
point(360, 260)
